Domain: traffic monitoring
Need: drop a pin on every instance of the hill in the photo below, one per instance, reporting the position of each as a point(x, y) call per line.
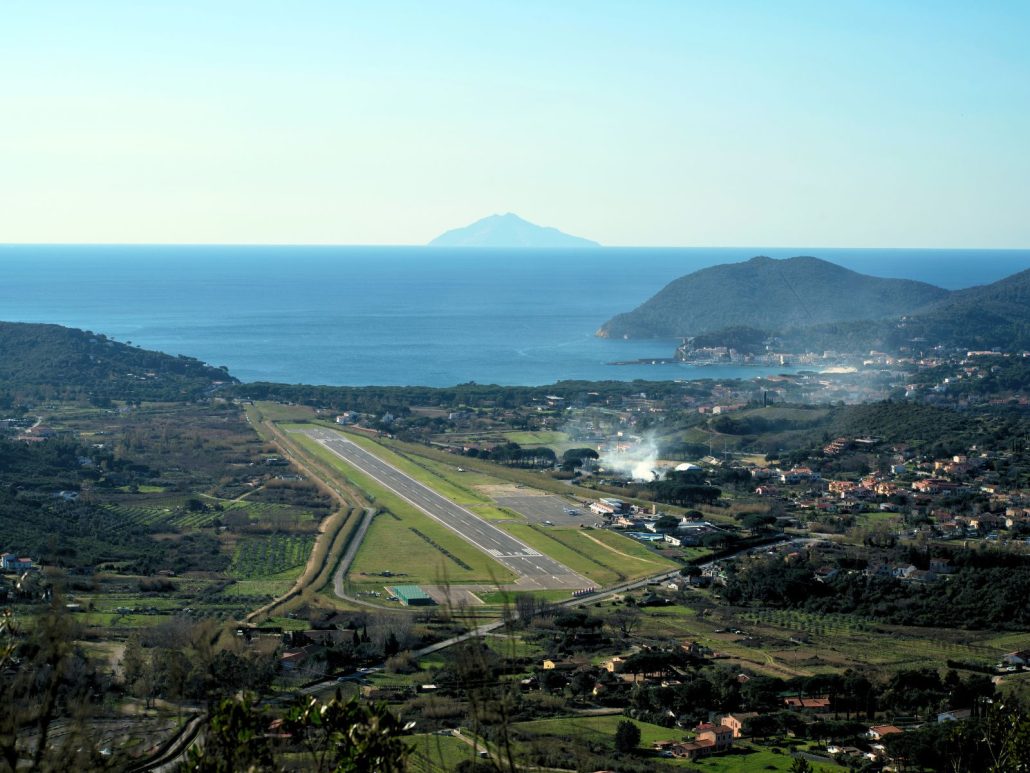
point(770, 295)
point(55, 362)
point(994, 315)
point(978, 318)
point(508, 230)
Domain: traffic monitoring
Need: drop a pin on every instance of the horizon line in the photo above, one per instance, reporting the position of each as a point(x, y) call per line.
point(427, 246)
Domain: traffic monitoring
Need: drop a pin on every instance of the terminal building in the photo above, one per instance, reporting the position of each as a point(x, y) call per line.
point(608, 506)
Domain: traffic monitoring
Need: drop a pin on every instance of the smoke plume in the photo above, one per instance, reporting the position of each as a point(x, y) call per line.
point(633, 459)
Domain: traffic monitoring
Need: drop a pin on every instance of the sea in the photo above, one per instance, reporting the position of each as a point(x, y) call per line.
point(405, 315)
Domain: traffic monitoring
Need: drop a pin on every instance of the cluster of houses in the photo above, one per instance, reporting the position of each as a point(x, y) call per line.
point(923, 485)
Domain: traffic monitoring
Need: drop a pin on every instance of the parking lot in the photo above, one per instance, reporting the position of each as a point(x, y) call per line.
point(538, 509)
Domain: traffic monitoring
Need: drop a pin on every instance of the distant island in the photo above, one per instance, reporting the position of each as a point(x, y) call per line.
point(509, 230)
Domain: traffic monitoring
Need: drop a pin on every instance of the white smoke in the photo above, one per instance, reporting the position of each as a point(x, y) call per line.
point(637, 459)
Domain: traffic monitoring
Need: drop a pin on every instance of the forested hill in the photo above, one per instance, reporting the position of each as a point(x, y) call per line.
point(771, 295)
point(54, 362)
point(994, 315)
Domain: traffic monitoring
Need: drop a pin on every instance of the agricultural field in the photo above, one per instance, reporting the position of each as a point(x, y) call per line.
point(787, 643)
point(596, 732)
point(270, 555)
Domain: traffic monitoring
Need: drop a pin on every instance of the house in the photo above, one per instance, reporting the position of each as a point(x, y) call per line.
point(10, 562)
point(955, 715)
point(291, 660)
point(710, 739)
point(614, 665)
point(820, 703)
point(842, 486)
point(674, 541)
point(878, 732)
point(739, 723)
point(696, 650)
point(1019, 658)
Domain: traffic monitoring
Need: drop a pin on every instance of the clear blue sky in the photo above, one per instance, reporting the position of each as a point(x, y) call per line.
point(633, 123)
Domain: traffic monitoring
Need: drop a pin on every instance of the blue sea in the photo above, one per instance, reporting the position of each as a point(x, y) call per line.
point(403, 315)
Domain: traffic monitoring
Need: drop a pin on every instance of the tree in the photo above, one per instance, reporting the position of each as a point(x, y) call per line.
point(627, 736)
point(624, 620)
point(667, 523)
point(337, 735)
point(801, 765)
point(235, 740)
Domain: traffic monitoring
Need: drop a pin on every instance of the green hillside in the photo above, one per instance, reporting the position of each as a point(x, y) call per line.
point(54, 362)
point(773, 295)
point(985, 317)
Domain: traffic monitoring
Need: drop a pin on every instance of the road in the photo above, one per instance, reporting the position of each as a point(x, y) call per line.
point(535, 571)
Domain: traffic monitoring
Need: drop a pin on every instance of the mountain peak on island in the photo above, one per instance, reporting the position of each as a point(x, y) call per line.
point(509, 230)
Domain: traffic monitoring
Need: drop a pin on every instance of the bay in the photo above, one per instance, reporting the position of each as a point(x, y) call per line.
point(402, 315)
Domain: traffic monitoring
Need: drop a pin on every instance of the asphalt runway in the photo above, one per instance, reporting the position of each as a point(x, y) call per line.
point(535, 570)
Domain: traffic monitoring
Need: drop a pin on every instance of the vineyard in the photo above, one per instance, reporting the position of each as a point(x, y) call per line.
point(807, 622)
point(175, 513)
point(268, 556)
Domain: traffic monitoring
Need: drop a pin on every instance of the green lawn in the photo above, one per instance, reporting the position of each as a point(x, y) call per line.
point(748, 757)
point(643, 562)
point(548, 542)
point(391, 545)
point(577, 549)
point(501, 597)
point(432, 753)
point(745, 757)
point(555, 440)
point(598, 729)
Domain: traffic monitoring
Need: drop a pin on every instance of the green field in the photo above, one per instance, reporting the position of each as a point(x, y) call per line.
point(434, 753)
point(577, 550)
point(600, 732)
point(559, 441)
point(259, 588)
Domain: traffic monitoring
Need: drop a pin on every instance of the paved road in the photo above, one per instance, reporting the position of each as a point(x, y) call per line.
point(535, 570)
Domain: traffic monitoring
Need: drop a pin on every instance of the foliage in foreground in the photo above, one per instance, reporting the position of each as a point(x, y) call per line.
point(335, 735)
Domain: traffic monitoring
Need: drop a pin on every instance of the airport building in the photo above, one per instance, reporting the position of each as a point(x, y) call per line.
point(412, 595)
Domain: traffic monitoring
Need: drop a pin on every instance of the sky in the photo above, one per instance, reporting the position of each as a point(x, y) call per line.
point(860, 124)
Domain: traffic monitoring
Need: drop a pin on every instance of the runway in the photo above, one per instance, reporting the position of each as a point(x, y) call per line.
point(535, 570)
